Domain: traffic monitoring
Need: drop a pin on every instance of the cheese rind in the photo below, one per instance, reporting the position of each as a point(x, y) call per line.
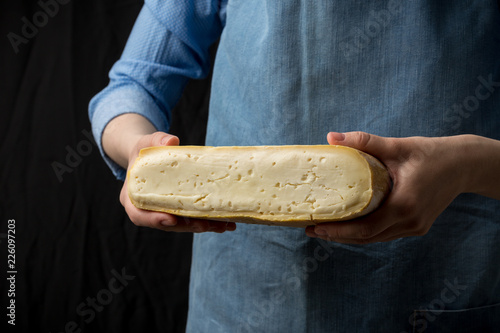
point(279, 185)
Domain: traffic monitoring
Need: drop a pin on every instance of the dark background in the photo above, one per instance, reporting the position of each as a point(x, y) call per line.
point(72, 236)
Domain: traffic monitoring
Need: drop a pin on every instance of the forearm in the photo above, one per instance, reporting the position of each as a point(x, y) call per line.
point(482, 159)
point(122, 133)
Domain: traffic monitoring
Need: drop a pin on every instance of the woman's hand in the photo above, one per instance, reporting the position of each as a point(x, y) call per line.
point(122, 139)
point(427, 174)
point(159, 220)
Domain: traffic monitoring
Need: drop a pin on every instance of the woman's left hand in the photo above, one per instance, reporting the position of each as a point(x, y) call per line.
point(427, 174)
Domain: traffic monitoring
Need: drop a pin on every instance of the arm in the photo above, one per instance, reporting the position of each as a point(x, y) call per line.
point(168, 45)
point(121, 135)
point(482, 156)
point(427, 173)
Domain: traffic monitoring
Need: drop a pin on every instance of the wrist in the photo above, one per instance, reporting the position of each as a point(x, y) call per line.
point(481, 162)
point(121, 135)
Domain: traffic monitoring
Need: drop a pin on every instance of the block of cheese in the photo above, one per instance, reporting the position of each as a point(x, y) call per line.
point(275, 185)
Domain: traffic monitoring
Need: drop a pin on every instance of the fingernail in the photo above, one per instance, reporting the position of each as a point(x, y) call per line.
point(168, 223)
point(320, 232)
point(165, 140)
point(338, 136)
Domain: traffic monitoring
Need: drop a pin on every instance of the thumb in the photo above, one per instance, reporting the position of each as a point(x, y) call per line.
point(170, 140)
point(163, 139)
point(153, 140)
point(369, 143)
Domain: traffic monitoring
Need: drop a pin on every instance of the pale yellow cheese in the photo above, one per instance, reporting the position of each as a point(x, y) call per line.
point(280, 185)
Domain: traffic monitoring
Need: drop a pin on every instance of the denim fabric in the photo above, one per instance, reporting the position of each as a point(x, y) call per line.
point(290, 71)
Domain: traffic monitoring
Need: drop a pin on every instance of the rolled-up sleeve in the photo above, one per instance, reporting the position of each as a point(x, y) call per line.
point(167, 46)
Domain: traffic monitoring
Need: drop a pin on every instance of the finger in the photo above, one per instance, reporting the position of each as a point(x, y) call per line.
point(220, 226)
point(372, 144)
point(381, 238)
point(170, 140)
point(393, 237)
point(410, 228)
point(400, 229)
point(348, 241)
point(362, 228)
point(201, 225)
point(163, 139)
point(149, 219)
point(168, 222)
point(142, 217)
point(365, 227)
point(189, 225)
point(376, 239)
point(310, 232)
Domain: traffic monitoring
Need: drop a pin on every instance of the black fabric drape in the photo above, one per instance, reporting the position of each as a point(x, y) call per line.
point(81, 265)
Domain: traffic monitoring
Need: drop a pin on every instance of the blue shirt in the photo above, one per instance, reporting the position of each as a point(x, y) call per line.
point(288, 72)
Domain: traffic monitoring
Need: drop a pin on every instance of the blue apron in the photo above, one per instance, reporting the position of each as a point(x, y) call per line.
point(290, 71)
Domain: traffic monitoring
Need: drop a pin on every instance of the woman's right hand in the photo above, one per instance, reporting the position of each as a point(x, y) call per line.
point(159, 220)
